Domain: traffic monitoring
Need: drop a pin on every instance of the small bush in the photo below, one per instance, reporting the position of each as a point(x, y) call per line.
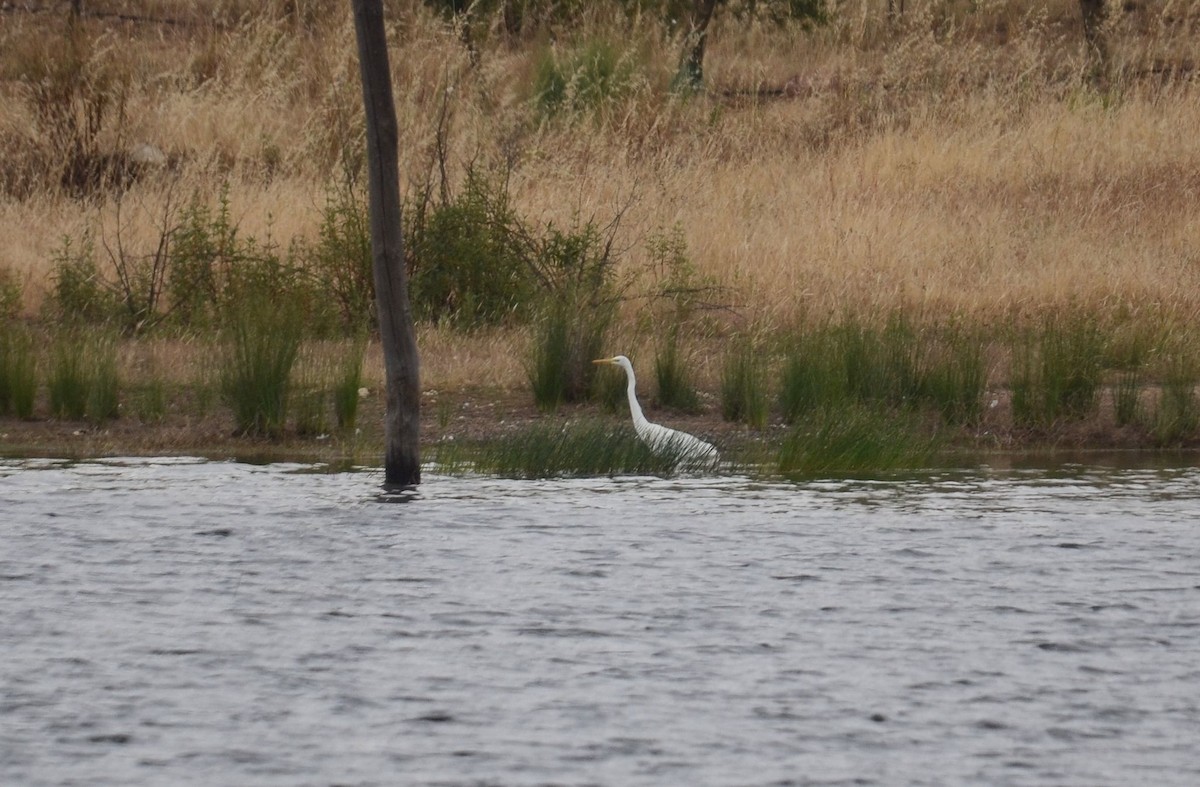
point(341, 258)
point(578, 306)
point(150, 401)
point(468, 258)
point(79, 294)
point(585, 79)
point(1127, 396)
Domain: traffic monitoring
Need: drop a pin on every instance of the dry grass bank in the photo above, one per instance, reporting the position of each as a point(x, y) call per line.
point(957, 162)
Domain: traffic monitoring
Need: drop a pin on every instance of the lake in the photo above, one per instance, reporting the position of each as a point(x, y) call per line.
point(181, 621)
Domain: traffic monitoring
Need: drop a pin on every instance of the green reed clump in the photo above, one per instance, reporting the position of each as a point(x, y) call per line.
point(1127, 392)
point(855, 362)
point(550, 451)
point(262, 343)
point(101, 366)
point(309, 392)
point(150, 401)
point(744, 385)
point(859, 439)
point(954, 377)
point(347, 386)
point(1177, 416)
point(571, 333)
point(674, 380)
point(813, 376)
point(1056, 371)
point(18, 372)
point(68, 382)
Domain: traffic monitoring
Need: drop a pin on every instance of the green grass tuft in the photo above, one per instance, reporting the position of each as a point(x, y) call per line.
point(18, 372)
point(550, 451)
point(1056, 371)
point(675, 387)
point(744, 385)
point(838, 441)
point(263, 342)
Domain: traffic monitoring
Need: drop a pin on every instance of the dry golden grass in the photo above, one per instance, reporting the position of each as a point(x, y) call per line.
point(955, 162)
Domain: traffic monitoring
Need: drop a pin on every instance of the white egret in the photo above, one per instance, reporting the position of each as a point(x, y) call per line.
point(671, 442)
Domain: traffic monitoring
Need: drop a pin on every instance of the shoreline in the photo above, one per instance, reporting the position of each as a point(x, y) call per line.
point(483, 418)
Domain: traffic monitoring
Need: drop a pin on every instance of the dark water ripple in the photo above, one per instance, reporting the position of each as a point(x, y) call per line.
point(187, 622)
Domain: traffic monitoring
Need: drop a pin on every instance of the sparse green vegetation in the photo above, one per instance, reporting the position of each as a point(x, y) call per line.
point(558, 450)
point(263, 341)
point(18, 371)
point(1056, 370)
point(744, 384)
point(856, 440)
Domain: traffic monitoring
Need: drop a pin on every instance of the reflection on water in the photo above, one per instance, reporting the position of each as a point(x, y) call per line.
point(183, 621)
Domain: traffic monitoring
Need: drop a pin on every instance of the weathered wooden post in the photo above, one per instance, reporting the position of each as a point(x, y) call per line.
point(402, 464)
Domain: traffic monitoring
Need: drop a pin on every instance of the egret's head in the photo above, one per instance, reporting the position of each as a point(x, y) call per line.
point(616, 360)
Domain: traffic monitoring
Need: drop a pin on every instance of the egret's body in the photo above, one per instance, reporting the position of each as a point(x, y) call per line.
point(662, 440)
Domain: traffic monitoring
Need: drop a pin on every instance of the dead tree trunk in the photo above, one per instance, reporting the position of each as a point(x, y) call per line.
point(691, 69)
point(1094, 17)
point(402, 465)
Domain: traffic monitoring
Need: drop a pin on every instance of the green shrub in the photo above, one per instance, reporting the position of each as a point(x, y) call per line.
point(215, 270)
point(79, 294)
point(1127, 396)
point(468, 257)
point(577, 307)
point(585, 79)
point(150, 401)
point(882, 364)
point(341, 258)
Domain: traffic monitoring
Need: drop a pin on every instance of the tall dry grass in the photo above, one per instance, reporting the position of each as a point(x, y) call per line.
point(956, 161)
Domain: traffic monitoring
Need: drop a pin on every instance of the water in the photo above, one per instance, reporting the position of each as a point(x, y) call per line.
point(189, 622)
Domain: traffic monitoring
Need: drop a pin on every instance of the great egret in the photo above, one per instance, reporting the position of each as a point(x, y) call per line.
point(671, 442)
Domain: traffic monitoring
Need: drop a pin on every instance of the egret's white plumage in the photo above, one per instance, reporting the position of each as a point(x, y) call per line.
point(687, 448)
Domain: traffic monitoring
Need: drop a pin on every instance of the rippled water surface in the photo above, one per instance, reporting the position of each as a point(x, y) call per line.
point(190, 622)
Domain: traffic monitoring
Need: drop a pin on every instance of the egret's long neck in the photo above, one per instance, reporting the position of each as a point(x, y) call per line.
point(635, 409)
